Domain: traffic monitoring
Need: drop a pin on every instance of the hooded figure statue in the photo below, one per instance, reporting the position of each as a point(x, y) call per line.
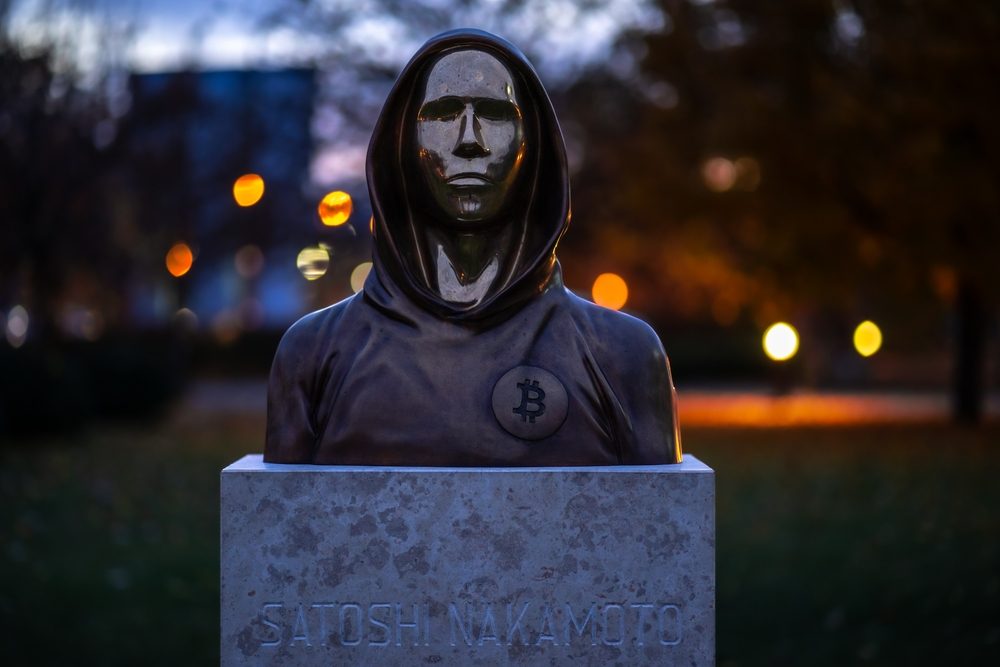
point(464, 348)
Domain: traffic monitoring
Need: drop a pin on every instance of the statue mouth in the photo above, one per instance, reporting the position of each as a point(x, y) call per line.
point(469, 179)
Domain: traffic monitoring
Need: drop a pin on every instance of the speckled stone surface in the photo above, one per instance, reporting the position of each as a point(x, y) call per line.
point(462, 566)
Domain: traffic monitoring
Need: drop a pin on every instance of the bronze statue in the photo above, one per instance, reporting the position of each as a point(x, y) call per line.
point(464, 348)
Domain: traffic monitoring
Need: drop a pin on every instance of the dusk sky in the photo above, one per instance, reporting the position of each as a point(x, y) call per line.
point(170, 33)
point(560, 36)
point(228, 34)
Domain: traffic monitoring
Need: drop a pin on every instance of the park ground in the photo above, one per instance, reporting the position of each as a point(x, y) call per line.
point(839, 542)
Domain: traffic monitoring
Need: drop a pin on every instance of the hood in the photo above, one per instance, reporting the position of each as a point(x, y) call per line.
point(540, 215)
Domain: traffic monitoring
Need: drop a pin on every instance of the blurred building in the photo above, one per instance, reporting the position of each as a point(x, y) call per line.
point(190, 136)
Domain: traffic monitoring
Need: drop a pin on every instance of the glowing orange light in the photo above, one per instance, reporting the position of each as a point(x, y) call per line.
point(179, 259)
point(371, 225)
point(248, 189)
point(747, 408)
point(781, 341)
point(610, 291)
point(867, 338)
point(335, 208)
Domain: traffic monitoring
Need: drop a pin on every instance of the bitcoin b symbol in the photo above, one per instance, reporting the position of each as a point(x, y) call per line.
point(531, 394)
point(518, 402)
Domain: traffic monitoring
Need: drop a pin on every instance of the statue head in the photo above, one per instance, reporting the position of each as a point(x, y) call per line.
point(469, 136)
point(468, 179)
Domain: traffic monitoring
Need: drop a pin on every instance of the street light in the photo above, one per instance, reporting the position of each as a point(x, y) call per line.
point(867, 338)
point(781, 341)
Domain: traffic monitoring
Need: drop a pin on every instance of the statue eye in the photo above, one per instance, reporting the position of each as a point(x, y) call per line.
point(446, 108)
point(497, 110)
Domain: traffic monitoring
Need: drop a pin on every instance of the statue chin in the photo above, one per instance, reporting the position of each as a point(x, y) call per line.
point(467, 208)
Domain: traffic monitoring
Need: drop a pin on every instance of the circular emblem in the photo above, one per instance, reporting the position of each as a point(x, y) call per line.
point(529, 402)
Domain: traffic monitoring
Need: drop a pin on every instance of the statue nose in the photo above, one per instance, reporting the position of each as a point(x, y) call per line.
point(470, 137)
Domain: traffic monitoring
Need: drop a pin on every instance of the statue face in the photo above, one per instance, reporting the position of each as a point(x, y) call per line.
point(470, 135)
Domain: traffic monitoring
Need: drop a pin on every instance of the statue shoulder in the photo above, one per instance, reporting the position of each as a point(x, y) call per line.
point(291, 390)
point(632, 360)
point(314, 330)
point(618, 334)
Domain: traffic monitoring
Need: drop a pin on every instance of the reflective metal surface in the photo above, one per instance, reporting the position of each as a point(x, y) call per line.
point(470, 136)
point(464, 348)
point(470, 144)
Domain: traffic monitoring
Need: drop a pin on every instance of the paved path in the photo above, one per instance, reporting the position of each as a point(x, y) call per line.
point(698, 407)
point(815, 408)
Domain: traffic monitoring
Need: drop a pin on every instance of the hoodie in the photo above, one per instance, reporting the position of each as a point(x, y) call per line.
point(528, 375)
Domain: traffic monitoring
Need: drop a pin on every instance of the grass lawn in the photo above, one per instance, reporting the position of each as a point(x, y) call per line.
point(835, 546)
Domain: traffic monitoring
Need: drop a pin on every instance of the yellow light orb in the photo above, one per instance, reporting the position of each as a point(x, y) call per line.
point(610, 291)
point(781, 341)
point(359, 274)
point(335, 208)
point(248, 189)
point(867, 338)
point(179, 259)
point(313, 262)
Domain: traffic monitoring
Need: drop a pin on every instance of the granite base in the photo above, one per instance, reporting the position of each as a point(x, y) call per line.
point(457, 566)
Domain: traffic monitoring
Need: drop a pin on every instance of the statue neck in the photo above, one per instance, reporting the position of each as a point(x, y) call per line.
point(467, 263)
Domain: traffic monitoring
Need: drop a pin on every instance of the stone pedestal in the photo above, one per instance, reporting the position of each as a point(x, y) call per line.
point(461, 566)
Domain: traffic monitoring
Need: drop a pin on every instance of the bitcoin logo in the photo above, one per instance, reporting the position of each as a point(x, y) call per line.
point(530, 402)
point(531, 394)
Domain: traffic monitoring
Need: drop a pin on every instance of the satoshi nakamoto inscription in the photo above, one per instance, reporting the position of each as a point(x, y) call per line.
point(396, 567)
point(481, 624)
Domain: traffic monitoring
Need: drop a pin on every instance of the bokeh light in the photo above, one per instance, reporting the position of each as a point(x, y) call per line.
point(226, 326)
point(335, 208)
point(313, 262)
point(867, 338)
point(944, 280)
point(186, 320)
point(781, 341)
point(249, 261)
point(359, 274)
point(17, 326)
point(248, 189)
point(81, 322)
point(610, 291)
point(719, 174)
point(179, 259)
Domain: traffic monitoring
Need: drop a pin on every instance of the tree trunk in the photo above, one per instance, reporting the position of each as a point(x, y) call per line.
point(967, 391)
